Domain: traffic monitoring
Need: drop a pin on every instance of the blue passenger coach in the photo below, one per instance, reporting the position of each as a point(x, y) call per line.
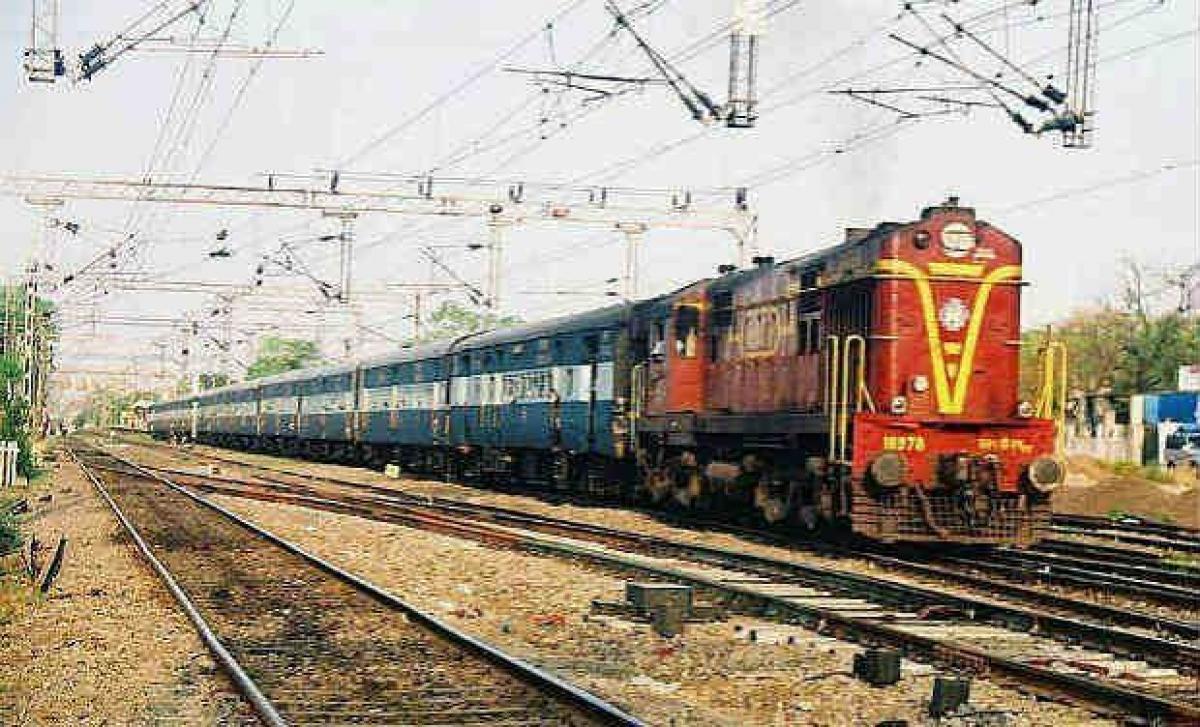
point(535, 401)
point(533, 392)
point(403, 406)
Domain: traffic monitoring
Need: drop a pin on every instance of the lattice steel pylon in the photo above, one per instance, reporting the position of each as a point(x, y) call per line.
point(43, 58)
point(1082, 35)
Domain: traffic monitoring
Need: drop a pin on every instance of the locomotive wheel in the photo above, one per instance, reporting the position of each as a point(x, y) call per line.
point(658, 485)
point(690, 494)
point(774, 510)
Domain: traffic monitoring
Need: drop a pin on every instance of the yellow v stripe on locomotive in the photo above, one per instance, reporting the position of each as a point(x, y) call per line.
point(949, 402)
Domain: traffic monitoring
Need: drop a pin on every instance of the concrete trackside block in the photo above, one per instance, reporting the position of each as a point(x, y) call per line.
point(649, 596)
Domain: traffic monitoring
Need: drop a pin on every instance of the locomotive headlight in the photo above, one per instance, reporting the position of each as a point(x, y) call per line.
point(920, 383)
point(1046, 473)
point(1025, 410)
point(958, 239)
point(887, 470)
point(899, 405)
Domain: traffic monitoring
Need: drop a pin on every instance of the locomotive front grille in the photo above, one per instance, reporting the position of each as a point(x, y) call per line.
point(948, 517)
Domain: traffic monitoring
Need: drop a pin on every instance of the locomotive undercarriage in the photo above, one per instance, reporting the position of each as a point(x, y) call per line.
point(793, 486)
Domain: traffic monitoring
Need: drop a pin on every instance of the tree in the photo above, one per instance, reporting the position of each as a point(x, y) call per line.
point(14, 412)
point(277, 355)
point(452, 319)
point(104, 407)
point(1134, 345)
point(17, 423)
point(212, 380)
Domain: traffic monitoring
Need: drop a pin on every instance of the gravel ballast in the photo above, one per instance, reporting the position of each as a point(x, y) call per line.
point(108, 645)
point(538, 608)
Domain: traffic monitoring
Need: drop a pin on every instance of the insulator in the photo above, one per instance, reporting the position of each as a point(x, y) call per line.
point(1053, 93)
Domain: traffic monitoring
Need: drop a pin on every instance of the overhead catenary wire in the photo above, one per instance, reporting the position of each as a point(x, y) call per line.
point(470, 80)
point(242, 89)
point(1123, 180)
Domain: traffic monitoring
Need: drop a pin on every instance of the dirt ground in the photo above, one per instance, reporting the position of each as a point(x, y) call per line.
point(107, 645)
point(539, 608)
point(1091, 489)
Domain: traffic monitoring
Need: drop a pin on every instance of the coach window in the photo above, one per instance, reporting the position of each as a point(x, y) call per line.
point(607, 341)
point(687, 331)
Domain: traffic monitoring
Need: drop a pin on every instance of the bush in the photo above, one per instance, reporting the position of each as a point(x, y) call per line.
point(1150, 472)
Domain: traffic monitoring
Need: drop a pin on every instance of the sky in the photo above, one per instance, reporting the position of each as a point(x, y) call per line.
point(415, 87)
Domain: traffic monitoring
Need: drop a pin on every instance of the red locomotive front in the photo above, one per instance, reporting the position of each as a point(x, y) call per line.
point(949, 450)
point(872, 386)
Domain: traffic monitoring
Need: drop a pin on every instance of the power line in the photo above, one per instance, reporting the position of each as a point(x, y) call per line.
point(1123, 180)
point(241, 92)
point(459, 87)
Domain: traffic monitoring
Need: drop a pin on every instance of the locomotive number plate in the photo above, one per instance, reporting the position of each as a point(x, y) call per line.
point(1004, 444)
point(904, 442)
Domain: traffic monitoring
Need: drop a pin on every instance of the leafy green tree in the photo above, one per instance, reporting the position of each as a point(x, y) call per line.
point(105, 406)
point(15, 417)
point(452, 319)
point(14, 412)
point(277, 355)
point(1129, 347)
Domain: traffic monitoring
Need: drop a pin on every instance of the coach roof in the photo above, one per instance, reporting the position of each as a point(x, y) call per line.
point(607, 317)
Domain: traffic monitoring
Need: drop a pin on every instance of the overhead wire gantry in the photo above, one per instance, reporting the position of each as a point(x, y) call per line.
point(500, 207)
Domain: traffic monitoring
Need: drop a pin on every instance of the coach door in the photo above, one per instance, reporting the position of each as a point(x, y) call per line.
point(685, 358)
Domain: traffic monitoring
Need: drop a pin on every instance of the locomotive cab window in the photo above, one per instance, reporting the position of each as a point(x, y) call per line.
point(687, 331)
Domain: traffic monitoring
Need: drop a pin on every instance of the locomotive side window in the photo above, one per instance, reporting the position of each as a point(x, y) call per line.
point(721, 326)
point(808, 333)
point(687, 331)
point(542, 352)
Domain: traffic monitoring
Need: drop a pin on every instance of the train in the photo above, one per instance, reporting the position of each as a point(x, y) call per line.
point(869, 387)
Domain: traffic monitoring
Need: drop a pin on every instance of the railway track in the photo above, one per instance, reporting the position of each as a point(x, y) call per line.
point(1086, 662)
point(1129, 524)
point(1134, 531)
point(1153, 583)
point(308, 643)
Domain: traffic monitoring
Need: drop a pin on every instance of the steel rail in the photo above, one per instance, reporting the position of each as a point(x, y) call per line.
point(1100, 695)
point(1106, 613)
point(1109, 614)
point(1137, 572)
point(1128, 524)
point(1130, 643)
point(241, 680)
point(520, 668)
point(1091, 579)
point(1114, 554)
point(1151, 541)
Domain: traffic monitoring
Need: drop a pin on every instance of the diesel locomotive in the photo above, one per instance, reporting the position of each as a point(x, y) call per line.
point(869, 387)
